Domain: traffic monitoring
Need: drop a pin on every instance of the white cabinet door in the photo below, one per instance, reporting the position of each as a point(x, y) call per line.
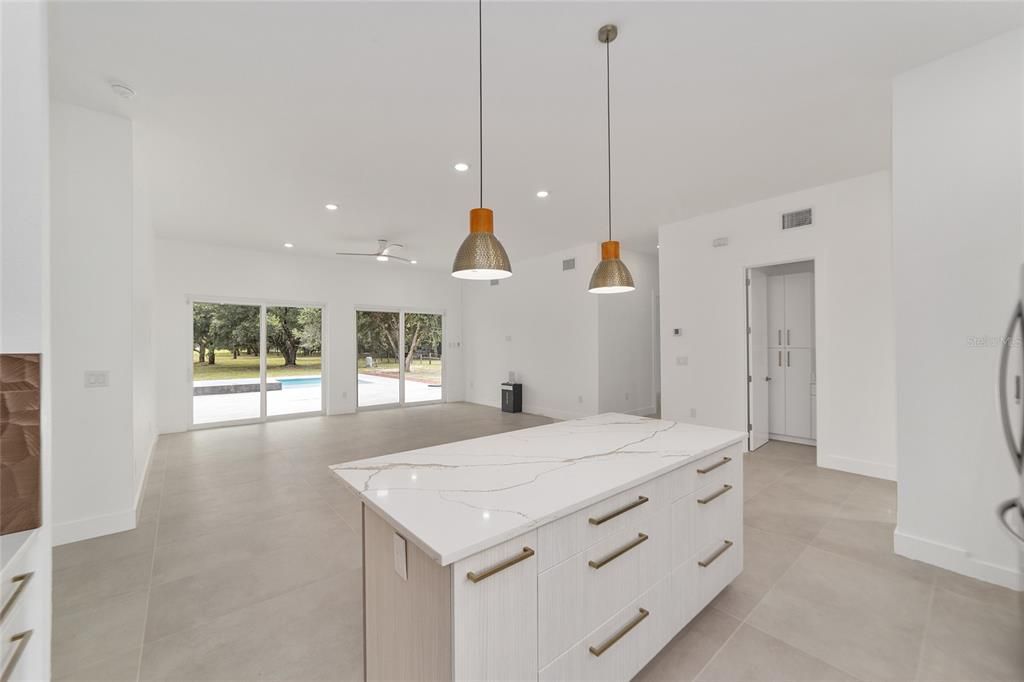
point(798, 392)
point(776, 310)
point(494, 620)
point(777, 390)
point(798, 331)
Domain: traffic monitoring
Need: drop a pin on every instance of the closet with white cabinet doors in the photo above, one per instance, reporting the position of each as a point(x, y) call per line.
point(791, 356)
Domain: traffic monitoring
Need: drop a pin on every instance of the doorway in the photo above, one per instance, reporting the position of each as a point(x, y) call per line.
point(399, 357)
point(781, 371)
point(254, 361)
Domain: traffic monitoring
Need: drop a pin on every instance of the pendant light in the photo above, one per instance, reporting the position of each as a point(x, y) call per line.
point(481, 255)
point(611, 276)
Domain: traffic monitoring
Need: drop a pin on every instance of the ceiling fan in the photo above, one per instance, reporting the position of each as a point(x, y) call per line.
point(383, 253)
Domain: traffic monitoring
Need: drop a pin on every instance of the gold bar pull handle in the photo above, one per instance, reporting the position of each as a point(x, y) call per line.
point(597, 521)
point(604, 646)
point(641, 538)
point(498, 568)
point(715, 495)
point(704, 563)
point(20, 641)
point(708, 470)
point(21, 581)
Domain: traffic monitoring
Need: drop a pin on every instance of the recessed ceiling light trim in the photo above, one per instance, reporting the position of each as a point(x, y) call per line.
point(461, 167)
point(543, 194)
point(288, 245)
point(331, 207)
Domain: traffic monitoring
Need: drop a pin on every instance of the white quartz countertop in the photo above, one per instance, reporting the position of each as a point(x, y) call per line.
point(456, 499)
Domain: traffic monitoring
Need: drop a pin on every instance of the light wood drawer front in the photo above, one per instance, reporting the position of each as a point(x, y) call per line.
point(718, 564)
point(494, 626)
point(706, 471)
point(571, 535)
point(718, 511)
point(582, 592)
point(625, 641)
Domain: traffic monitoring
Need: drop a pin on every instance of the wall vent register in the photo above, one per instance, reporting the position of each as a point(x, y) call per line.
point(569, 264)
point(801, 218)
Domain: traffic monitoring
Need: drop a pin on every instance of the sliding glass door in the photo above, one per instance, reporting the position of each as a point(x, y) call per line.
point(251, 362)
point(398, 358)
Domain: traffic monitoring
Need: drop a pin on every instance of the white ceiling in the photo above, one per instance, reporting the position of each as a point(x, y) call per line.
point(252, 116)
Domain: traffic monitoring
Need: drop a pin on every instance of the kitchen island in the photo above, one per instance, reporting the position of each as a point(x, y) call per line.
point(574, 550)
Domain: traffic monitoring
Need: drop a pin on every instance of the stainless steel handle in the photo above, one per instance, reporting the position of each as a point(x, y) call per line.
point(21, 641)
point(597, 521)
point(498, 568)
point(718, 552)
point(1004, 411)
point(21, 582)
point(637, 619)
point(780, 358)
point(1016, 389)
point(714, 496)
point(1005, 508)
point(708, 470)
point(788, 341)
point(767, 378)
point(640, 539)
point(780, 337)
point(787, 359)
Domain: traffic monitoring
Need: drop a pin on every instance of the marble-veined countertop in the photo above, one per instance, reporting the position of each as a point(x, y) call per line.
point(456, 499)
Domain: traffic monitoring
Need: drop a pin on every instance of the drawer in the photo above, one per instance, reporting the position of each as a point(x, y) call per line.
point(620, 646)
point(718, 564)
point(21, 641)
point(718, 511)
point(561, 539)
point(710, 470)
point(583, 591)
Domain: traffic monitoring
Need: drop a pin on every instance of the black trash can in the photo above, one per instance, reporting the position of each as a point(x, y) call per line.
point(511, 397)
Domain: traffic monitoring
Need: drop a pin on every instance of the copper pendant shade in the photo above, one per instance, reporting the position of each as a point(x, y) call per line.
point(481, 255)
point(611, 276)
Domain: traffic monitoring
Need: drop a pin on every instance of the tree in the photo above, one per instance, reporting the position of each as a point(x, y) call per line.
point(421, 330)
point(283, 333)
point(223, 326)
point(310, 330)
point(202, 319)
point(377, 333)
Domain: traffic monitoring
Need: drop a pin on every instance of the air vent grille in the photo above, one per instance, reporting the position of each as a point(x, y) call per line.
point(495, 282)
point(801, 218)
point(569, 264)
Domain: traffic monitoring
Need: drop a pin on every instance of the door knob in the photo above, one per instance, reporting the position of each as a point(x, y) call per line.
point(767, 378)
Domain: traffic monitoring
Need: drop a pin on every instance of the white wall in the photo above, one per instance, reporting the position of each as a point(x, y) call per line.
point(24, 277)
point(576, 353)
point(958, 216)
point(143, 366)
point(702, 292)
point(625, 349)
point(186, 270)
point(92, 306)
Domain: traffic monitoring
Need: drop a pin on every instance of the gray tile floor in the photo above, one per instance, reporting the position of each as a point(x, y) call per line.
point(245, 566)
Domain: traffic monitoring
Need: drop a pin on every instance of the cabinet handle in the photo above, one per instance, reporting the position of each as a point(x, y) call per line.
point(21, 641)
point(788, 342)
point(718, 552)
point(725, 488)
point(725, 460)
point(780, 338)
point(22, 582)
point(640, 539)
point(496, 568)
point(622, 510)
point(787, 358)
point(780, 358)
point(637, 619)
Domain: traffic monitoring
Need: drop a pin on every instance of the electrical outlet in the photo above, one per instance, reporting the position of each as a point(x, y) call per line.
point(508, 338)
point(97, 378)
point(682, 360)
point(344, 394)
point(693, 413)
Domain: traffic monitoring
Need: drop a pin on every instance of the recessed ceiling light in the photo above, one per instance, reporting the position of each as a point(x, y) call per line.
point(543, 194)
point(462, 167)
point(288, 245)
point(331, 207)
point(382, 259)
point(412, 262)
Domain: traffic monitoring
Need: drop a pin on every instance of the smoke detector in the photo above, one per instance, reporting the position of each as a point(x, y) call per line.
point(122, 90)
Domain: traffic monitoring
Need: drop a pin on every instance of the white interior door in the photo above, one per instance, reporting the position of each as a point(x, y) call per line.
point(757, 338)
point(799, 332)
point(798, 392)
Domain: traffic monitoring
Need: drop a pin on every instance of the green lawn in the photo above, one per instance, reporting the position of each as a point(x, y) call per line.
point(427, 371)
point(248, 367)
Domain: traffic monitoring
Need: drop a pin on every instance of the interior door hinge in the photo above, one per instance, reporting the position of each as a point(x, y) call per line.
point(748, 281)
point(749, 378)
point(750, 427)
point(748, 330)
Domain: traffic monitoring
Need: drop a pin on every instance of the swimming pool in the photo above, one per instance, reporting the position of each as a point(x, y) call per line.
point(298, 382)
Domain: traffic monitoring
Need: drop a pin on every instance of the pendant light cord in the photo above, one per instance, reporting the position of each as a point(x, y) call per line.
point(480, 63)
point(608, 101)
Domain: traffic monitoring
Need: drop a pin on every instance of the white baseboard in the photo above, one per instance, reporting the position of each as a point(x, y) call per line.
point(84, 529)
point(145, 478)
point(857, 466)
point(956, 559)
point(793, 439)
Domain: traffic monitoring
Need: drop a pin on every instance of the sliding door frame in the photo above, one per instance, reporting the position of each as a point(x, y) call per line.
point(401, 311)
point(263, 304)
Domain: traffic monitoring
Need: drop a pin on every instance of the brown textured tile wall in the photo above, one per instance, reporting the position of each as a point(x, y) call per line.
point(19, 443)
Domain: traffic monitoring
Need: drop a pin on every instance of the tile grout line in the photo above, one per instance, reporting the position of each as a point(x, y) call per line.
point(152, 568)
point(927, 622)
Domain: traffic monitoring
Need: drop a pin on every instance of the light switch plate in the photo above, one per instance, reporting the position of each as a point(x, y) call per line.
point(401, 559)
point(97, 378)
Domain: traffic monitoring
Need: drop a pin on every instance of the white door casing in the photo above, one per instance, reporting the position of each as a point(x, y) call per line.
point(757, 348)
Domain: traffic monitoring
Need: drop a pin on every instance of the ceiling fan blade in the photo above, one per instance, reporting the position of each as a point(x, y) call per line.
point(344, 253)
point(399, 258)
